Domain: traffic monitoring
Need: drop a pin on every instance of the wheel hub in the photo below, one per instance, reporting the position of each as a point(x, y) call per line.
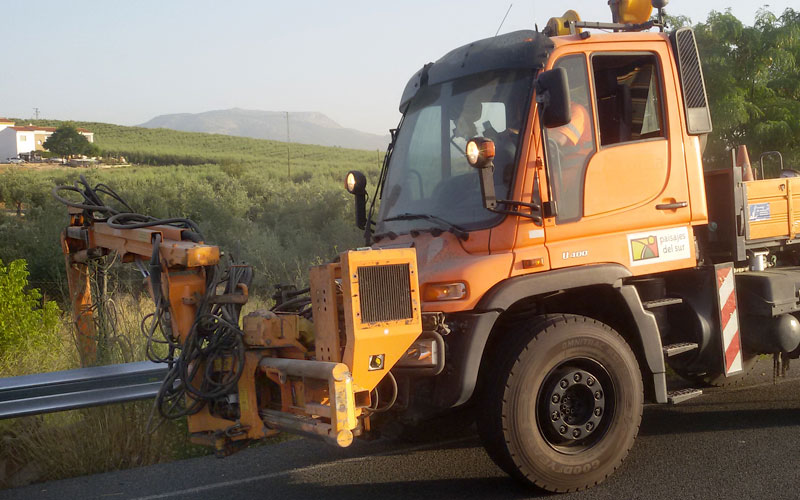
point(577, 404)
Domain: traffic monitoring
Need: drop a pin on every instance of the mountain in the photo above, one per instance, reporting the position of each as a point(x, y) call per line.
point(304, 128)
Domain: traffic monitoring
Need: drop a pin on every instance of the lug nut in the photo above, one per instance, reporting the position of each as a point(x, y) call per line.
point(590, 381)
point(563, 429)
point(576, 433)
point(589, 426)
point(555, 416)
point(598, 395)
point(577, 377)
point(564, 384)
point(556, 398)
point(598, 412)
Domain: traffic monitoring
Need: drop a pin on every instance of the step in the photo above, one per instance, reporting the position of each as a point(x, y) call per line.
point(680, 347)
point(679, 396)
point(653, 304)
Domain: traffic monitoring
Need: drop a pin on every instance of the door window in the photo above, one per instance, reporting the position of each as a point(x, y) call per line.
point(628, 97)
point(570, 147)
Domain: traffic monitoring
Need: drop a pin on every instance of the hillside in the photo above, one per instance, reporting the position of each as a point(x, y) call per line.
point(280, 216)
point(162, 147)
point(304, 128)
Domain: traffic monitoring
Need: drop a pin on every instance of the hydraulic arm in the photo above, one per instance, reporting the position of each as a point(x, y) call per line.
point(274, 370)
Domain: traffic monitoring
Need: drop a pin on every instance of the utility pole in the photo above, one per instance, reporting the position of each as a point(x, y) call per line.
point(36, 113)
point(288, 153)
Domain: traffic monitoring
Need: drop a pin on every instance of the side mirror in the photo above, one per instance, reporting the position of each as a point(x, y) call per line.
point(480, 153)
point(356, 184)
point(552, 94)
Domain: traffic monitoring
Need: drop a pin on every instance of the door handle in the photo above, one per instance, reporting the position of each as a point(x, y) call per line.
point(672, 206)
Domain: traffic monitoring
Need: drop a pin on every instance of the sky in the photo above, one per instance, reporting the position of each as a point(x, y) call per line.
point(126, 62)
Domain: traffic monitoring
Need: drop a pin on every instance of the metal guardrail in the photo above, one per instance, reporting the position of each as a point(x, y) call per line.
point(81, 388)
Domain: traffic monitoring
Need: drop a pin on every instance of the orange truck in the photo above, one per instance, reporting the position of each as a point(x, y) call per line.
point(542, 243)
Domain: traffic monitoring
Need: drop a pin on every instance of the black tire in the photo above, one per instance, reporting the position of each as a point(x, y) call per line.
point(595, 375)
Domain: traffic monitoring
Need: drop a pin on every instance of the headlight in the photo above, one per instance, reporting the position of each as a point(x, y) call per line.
point(473, 152)
point(480, 151)
point(355, 182)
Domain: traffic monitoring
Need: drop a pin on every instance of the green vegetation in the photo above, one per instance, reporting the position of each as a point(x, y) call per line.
point(149, 146)
point(66, 141)
point(752, 75)
point(237, 189)
point(90, 440)
point(26, 322)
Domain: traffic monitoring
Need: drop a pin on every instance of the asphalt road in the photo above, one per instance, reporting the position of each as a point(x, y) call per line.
point(739, 443)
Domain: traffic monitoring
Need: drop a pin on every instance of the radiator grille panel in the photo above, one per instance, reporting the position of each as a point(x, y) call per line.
point(385, 293)
point(698, 115)
point(691, 74)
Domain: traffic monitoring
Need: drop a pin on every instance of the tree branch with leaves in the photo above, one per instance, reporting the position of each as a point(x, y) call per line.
point(67, 141)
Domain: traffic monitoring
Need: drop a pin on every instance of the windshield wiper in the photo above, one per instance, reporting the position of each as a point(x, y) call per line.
point(459, 231)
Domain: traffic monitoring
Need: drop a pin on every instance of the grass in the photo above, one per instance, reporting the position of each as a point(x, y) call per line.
point(93, 440)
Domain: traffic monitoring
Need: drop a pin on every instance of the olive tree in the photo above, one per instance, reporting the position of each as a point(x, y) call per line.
point(67, 141)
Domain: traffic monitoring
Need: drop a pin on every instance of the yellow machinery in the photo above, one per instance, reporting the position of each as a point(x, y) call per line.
point(279, 371)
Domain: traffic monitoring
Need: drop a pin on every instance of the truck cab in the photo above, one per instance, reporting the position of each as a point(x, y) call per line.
point(566, 266)
point(632, 167)
point(613, 194)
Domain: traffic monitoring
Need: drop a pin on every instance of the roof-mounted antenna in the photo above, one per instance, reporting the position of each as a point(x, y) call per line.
point(504, 19)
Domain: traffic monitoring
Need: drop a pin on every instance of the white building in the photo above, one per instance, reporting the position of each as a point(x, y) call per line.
point(5, 122)
point(24, 139)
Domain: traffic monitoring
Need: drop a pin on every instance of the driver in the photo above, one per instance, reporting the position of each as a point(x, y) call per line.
point(575, 136)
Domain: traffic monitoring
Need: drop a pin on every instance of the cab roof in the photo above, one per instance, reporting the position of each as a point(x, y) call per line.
point(524, 49)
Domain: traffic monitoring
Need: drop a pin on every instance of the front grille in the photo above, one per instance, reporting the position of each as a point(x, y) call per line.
point(385, 293)
point(691, 74)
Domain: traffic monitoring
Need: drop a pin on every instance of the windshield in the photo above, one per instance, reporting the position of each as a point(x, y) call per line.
point(428, 171)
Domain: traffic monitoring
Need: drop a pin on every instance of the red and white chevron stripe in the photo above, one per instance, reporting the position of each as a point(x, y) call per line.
point(729, 320)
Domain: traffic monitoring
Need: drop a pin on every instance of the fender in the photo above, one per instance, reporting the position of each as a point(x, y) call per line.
point(456, 385)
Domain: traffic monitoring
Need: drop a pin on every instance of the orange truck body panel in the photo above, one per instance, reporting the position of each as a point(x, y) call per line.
point(623, 184)
point(780, 198)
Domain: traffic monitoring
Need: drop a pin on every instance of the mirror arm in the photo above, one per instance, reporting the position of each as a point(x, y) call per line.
point(487, 187)
point(532, 206)
point(534, 218)
point(361, 210)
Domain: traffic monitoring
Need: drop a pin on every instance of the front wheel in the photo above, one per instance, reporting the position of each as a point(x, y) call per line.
point(563, 406)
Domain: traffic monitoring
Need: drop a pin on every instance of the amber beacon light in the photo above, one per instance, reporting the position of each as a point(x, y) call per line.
point(444, 291)
point(631, 11)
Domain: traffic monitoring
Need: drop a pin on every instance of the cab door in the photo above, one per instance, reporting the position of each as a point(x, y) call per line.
point(617, 172)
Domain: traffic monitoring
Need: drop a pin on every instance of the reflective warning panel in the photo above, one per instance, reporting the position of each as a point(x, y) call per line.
point(729, 319)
